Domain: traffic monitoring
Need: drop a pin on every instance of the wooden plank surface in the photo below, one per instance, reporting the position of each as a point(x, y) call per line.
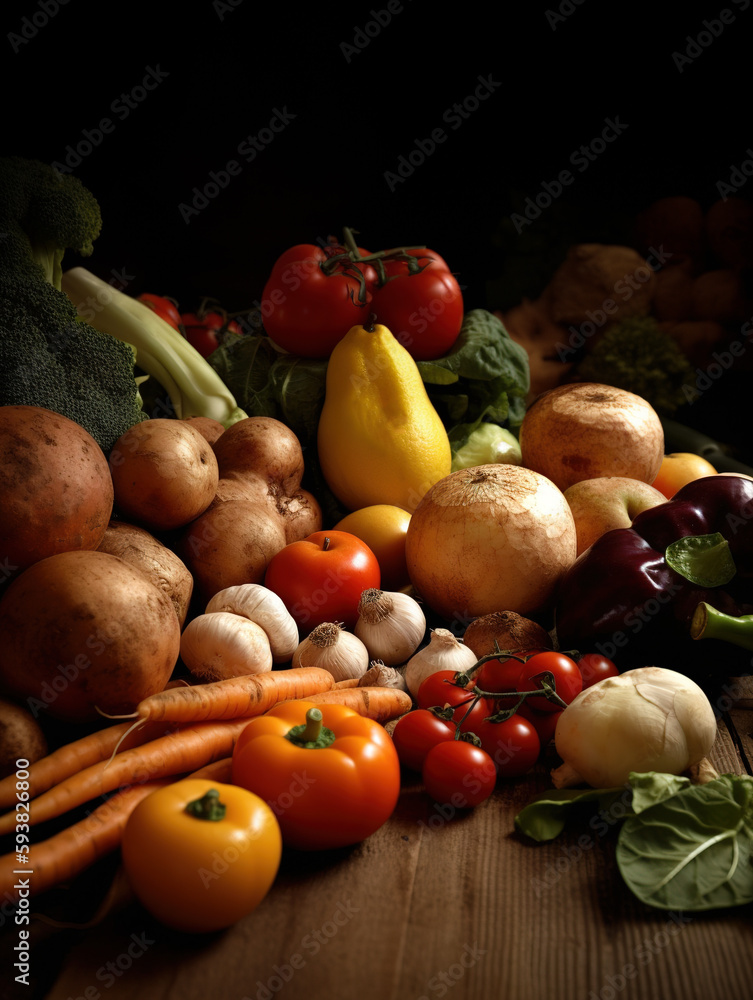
point(432, 905)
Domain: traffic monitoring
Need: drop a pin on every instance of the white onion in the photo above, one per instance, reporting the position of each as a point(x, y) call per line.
point(491, 537)
point(647, 719)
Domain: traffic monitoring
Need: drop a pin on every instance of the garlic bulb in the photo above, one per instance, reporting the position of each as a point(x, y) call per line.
point(264, 607)
point(390, 624)
point(329, 646)
point(220, 644)
point(646, 719)
point(443, 652)
point(380, 675)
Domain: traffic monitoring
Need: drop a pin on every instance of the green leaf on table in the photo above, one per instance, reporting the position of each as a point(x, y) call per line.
point(545, 817)
point(693, 850)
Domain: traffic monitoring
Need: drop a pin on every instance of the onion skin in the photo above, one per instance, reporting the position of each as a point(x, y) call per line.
point(587, 431)
point(646, 719)
point(494, 536)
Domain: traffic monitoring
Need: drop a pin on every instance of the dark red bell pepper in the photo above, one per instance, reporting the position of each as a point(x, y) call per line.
point(631, 596)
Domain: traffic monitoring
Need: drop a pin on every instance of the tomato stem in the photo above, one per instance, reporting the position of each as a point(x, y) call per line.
point(208, 807)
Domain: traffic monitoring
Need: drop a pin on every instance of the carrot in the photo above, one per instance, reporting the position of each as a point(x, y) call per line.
point(65, 855)
point(349, 682)
point(378, 703)
point(187, 749)
point(75, 756)
point(235, 697)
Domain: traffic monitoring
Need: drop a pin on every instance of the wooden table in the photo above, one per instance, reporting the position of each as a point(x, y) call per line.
point(430, 906)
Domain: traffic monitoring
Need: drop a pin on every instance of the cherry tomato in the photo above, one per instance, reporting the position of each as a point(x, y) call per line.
point(595, 667)
point(459, 774)
point(438, 690)
point(308, 307)
point(396, 268)
point(164, 307)
point(470, 714)
point(513, 744)
point(500, 675)
point(424, 311)
point(568, 681)
point(544, 723)
point(416, 733)
point(205, 331)
point(321, 577)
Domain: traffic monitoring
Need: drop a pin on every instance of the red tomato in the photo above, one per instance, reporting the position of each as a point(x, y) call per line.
point(544, 723)
point(513, 744)
point(308, 309)
point(567, 678)
point(206, 331)
point(321, 577)
point(470, 715)
point(416, 733)
point(424, 311)
point(459, 774)
point(501, 675)
point(595, 667)
point(164, 307)
point(438, 690)
point(423, 256)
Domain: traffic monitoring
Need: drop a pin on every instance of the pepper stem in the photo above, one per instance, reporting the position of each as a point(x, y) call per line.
point(208, 807)
point(708, 623)
point(312, 734)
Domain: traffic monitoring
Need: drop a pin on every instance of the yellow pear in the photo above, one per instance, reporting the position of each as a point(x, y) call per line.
point(380, 440)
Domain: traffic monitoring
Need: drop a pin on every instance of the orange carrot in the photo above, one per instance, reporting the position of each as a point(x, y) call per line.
point(235, 697)
point(349, 682)
point(378, 703)
point(65, 855)
point(185, 750)
point(75, 756)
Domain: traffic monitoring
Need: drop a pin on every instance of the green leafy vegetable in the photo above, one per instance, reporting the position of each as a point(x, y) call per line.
point(703, 559)
point(692, 851)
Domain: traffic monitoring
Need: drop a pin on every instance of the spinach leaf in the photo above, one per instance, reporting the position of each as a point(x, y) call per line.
point(692, 851)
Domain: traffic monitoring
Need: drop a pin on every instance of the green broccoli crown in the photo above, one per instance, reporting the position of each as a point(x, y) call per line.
point(48, 356)
point(635, 354)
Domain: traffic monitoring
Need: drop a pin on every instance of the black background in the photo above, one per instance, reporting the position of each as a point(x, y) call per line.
point(557, 78)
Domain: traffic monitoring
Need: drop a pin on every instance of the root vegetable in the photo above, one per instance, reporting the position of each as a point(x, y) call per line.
point(21, 739)
point(220, 644)
point(504, 630)
point(56, 491)
point(646, 719)
point(84, 633)
point(165, 569)
point(584, 430)
point(164, 473)
point(490, 537)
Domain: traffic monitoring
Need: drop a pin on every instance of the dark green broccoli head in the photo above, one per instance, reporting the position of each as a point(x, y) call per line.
point(53, 212)
point(48, 356)
point(635, 354)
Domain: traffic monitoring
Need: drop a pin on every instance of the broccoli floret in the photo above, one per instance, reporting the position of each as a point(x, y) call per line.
point(48, 356)
point(635, 354)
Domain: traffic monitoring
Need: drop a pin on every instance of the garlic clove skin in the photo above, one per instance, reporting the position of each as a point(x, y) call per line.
point(264, 607)
point(443, 652)
point(332, 648)
point(220, 644)
point(391, 624)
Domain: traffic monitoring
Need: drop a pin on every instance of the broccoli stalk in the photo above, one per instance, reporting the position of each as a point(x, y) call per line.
point(49, 357)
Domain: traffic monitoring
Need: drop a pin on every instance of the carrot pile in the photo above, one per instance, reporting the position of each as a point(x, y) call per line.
point(181, 731)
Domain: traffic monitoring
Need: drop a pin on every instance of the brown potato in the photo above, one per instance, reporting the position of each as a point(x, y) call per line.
point(85, 633)
point(207, 427)
point(261, 446)
point(21, 737)
point(164, 474)
point(56, 493)
point(164, 567)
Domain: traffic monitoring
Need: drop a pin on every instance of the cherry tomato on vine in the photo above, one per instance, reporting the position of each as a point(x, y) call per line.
point(438, 690)
point(164, 307)
point(594, 667)
point(544, 723)
point(416, 733)
point(423, 311)
point(393, 268)
point(469, 715)
point(568, 681)
point(500, 675)
point(513, 744)
point(204, 331)
point(459, 774)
